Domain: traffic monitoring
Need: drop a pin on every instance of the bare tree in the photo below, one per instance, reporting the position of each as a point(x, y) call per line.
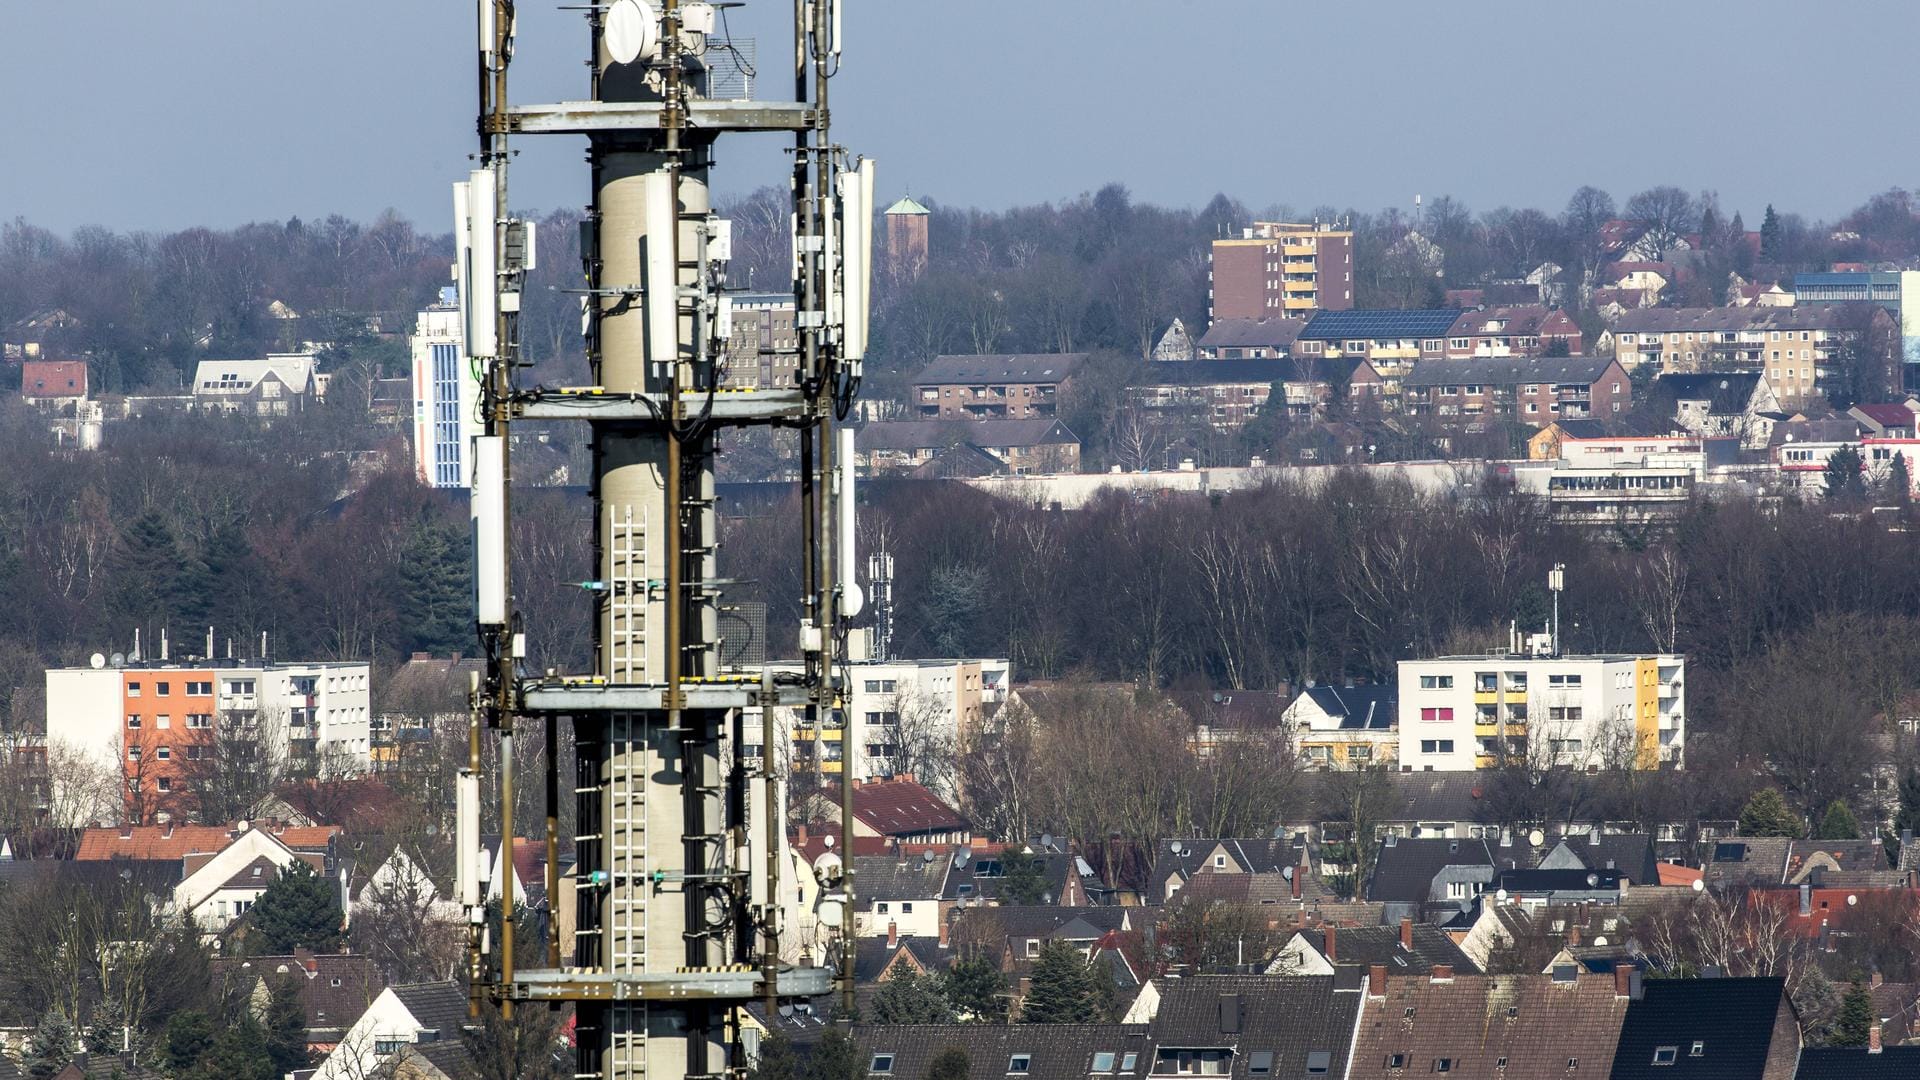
point(243, 760)
point(1000, 775)
point(1667, 213)
point(402, 923)
point(925, 734)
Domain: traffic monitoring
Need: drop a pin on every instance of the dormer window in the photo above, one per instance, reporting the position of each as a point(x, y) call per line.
point(882, 1064)
point(1019, 1064)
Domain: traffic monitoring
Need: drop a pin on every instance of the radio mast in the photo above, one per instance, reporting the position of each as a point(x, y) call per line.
point(679, 845)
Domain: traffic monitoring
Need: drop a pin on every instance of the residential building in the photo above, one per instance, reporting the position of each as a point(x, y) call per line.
point(1534, 391)
point(219, 887)
point(1041, 444)
point(1392, 341)
point(1226, 394)
point(1250, 339)
point(979, 877)
point(907, 249)
point(1470, 712)
point(1410, 873)
point(990, 387)
point(943, 701)
point(763, 350)
point(53, 383)
point(1889, 420)
point(996, 1051)
point(1623, 496)
point(899, 894)
point(1490, 1026)
point(334, 989)
point(275, 386)
point(1175, 344)
point(1602, 442)
point(1411, 948)
point(1801, 349)
point(1526, 330)
point(1280, 269)
point(1736, 404)
point(153, 722)
point(1344, 726)
point(446, 395)
point(1250, 1027)
point(404, 1016)
point(1177, 863)
point(1709, 1028)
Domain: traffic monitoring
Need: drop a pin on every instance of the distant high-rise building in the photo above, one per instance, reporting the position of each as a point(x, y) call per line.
point(906, 239)
point(763, 351)
point(446, 396)
point(1277, 269)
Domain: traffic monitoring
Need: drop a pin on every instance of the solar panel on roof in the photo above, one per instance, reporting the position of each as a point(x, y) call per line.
point(1729, 852)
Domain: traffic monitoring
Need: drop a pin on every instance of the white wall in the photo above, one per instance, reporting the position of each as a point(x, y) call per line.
point(84, 715)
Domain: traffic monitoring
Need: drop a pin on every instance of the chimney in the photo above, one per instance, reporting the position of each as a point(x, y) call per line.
point(1622, 980)
point(1441, 973)
point(1327, 934)
point(1298, 873)
point(126, 832)
point(1873, 1038)
point(1875, 979)
point(893, 934)
point(800, 835)
point(1573, 934)
point(1377, 981)
point(945, 929)
point(1406, 934)
point(905, 778)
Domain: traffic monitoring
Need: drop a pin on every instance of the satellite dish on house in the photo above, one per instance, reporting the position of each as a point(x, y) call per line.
point(118, 660)
point(928, 856)
point(1287, 872)
point(1852, 899)
point(959, 859)
point(827, 841)
point(1173, 846)
point(96, 661)
point(1500, 895)
point(1536, 838)
point(1046, 841)
point(1593, 881)
point(1699, 885)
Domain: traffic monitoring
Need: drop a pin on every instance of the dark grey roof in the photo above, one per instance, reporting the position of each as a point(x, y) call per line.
point(1629, 853)
point(1288, 1016)
point(1751, 317)
point(1362, 324)
point(1041, 921)
point(1221, 372)
point(1726, 392)
point(1368, 945)
point(1359, 707)
point(1857, 1063)
point(1733, 1018)
point(1510, 371)
point(448, 1054)
point(1554, 881)
point(871, 955)
point(1252, 333)
point(931, 434)
point(1404, 871)
point(1053, 1051)
point(438, 1006)
point(977, 876)
point(1002, 368)
point(901, 877)
point(1626, 425)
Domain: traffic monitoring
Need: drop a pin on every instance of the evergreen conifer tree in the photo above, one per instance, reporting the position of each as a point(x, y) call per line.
point(1842, 479)
point(434, 584)
point(1062, 990)
point(977, 990)
point(188, 1037)
point(1838, 824)
point(908, 997)
point(1770, 236)
point(1767, 814)
point(299, 909)
point(836, 1057)
point(286, 1033)
point(1855, 1023)
point(50, 1047)
point(776, 1060)
point(951, 1063)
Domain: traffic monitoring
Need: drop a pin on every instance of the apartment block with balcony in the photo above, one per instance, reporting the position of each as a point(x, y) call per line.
point(1226, 394)
point(763, 348)
point(1276, 269)
point(1536, 391)
point(1461, 713)
point(1798, 348)
point(1527, 330)
point(1007, 386)
point(1392, 342)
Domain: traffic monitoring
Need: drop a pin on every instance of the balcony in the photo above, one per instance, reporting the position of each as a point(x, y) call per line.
point(1300, 302)
point(1297, 250)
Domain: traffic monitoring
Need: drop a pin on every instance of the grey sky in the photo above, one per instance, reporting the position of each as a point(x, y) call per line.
point(159, 116)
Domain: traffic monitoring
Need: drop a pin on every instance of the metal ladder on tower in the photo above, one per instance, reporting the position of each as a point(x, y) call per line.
point(628, 881)
point(628, 590)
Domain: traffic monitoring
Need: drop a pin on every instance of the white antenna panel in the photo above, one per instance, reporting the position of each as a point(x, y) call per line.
point(632, 31)
point(482, 303)
point(662, 284)
point(489, 504)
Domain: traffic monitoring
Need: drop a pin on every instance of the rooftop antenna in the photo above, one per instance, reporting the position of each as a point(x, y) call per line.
point(1556, 584)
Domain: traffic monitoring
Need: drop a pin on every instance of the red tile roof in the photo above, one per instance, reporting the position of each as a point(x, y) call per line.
point(1888, 415)
point(903, 807)
point(179, 841)
point(53, 378)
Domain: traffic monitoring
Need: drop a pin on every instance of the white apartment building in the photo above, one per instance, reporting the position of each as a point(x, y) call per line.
point(1575, 711)
point(943, 699)
point(446, 396)
point(147, 723)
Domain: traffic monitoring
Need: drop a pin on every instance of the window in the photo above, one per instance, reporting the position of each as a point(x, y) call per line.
point(193, 753)
point(133, 721)
point(162, 689)
point(906, 908)
point(163, 721)
point(1573, 1063)
point(1396, 1061)
point(164, 753)
point(1699, 1049)
point(1219, 862)
point(882, 1064)
point(1485, 682)
point(1033, 948)
point(1443, 1065)
point(335, 983)
point(1440, 715)
point(163, 783)
point(1103, 1062)
point(1436, 682)
point(1019, 1064)
point(881, 907)
point(1128, 1062)
point(203, 689)
point(1260, 1063)
point(133, 753)
point(1436, 746)
point(133, 689)
point(1500, 1064)
point(1563, 680)
point(1318, 1062)
point(199, 720)
point(385, 1047)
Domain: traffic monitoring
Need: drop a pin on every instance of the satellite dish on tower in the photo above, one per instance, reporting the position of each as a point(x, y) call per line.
point(827, 841)
point(632, 31)
point(96, 661)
